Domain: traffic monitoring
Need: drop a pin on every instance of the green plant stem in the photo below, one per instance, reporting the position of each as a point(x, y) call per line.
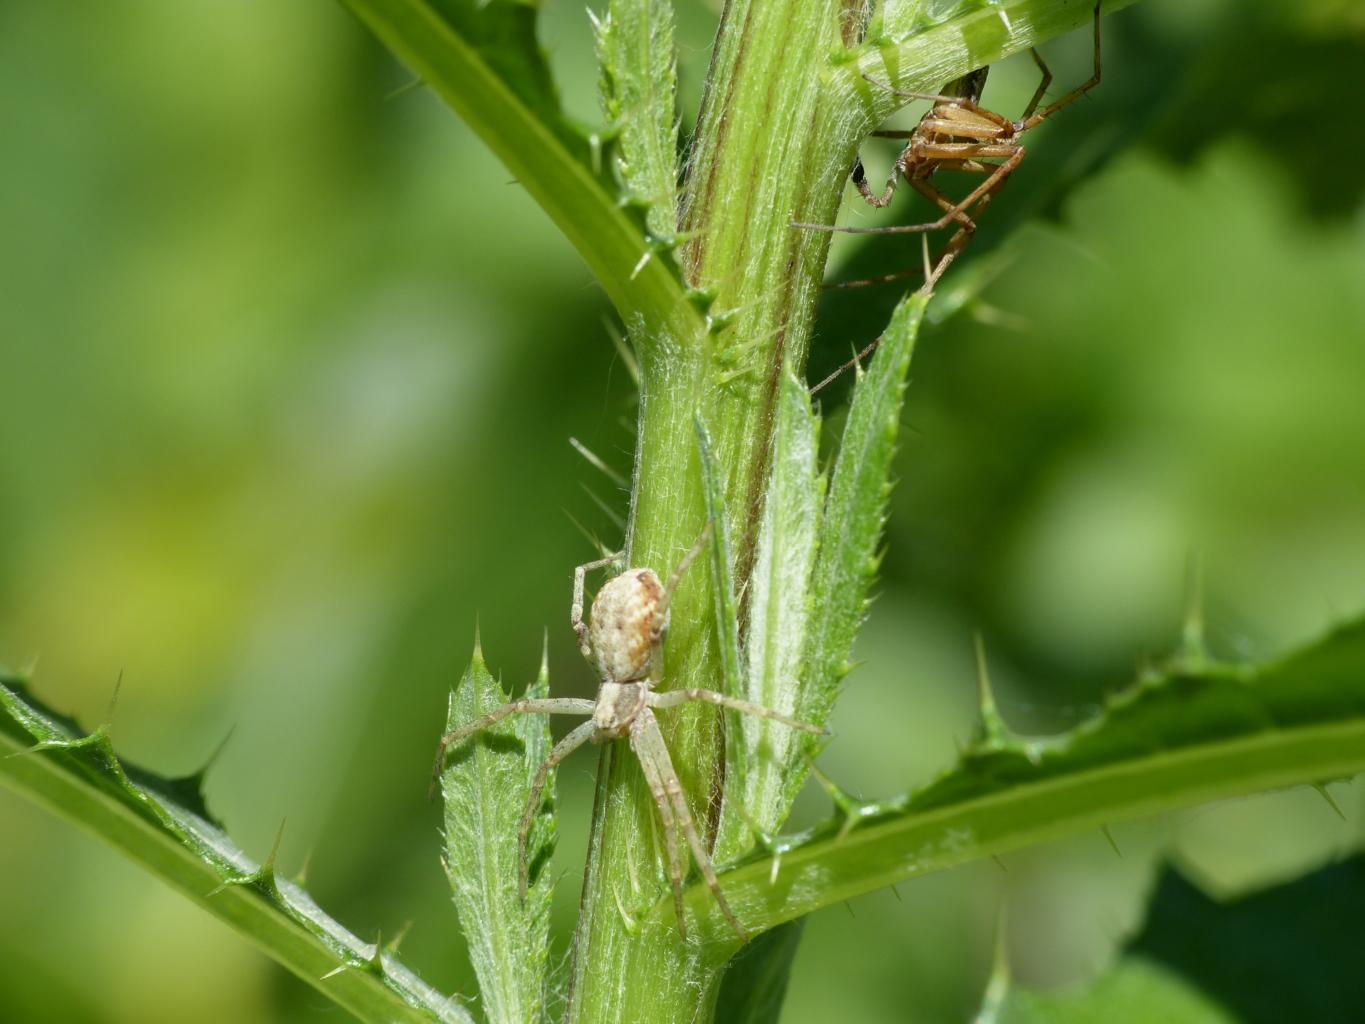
point(770, 152)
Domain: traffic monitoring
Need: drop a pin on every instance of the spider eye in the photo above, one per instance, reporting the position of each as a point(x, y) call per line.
point(858, 171)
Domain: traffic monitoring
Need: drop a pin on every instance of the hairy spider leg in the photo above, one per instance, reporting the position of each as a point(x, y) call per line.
point(580, 627)
point(674, 698)
point(654, 778)
point(648, 743)
point(575, 739)
point(1032, 120)
point(673, 580)
point(531, 706)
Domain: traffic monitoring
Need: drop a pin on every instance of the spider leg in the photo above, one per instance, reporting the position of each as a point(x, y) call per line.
point(648, 744)
point(1032, 120)
point(575, 739)
point(580, 627)
point(658, 790)
point(897, 169)
point(546, 706)
point(673, 698)
point(872, 345)
point(950, 252)
point(683, 566)
point(1042, 85)
point(866, 282)
point(937, 154)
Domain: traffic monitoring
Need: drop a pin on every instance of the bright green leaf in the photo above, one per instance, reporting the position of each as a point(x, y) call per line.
point(1187, 735)
point(487, 784)
point(778, 614)
point(850, 531)
point(163, 825)
point(638, 87)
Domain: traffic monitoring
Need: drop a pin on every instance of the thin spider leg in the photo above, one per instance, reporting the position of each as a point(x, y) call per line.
point(683, 566)
point(673, 698)
point(1042, 85)
point(872, 346)
point(660, 619)
point(951, 208)
point(950, 251)
point(957, 210)
point(900, 169)
point(964, 235)
point(580, 627)
point(575, 739)
point(1075, 94)
point(546, 706)
point(947, 151)
point(897, 169)
point(676, 866)
point(866, 282)
point(648, 743)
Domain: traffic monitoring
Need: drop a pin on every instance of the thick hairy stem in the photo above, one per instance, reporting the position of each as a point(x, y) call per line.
point(770, 149)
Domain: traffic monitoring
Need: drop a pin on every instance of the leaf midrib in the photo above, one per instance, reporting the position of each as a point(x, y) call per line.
point(806, 851)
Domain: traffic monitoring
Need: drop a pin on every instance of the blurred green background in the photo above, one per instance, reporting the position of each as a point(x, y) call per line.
point(289, 370)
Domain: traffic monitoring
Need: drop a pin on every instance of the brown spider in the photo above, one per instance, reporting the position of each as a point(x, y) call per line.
point(956, 134)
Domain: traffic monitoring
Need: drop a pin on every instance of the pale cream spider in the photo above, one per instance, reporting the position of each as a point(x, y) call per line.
point(623, 640)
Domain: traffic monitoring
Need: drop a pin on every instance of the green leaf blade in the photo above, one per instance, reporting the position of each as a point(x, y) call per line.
point(1191, 735)
point(486, 785)
point(504, 34)
point(162, 824)
point(855, 511)
point(778, 618)
point(638, 89)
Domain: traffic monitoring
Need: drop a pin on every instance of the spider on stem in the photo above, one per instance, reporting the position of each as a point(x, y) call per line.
point(956, 134)
point(623, 640)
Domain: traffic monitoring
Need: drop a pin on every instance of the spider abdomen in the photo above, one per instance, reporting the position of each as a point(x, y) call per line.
point(623, 626)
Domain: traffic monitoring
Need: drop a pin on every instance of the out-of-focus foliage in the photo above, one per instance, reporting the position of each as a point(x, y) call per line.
point(1133, 992)
point(1281, 953)
point(288, 371)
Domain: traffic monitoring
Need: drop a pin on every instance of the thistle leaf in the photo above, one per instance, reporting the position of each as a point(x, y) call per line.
point(778, 613)
point(1191, 962)
point(164, 825)
point(723, 595)
point(638, 87)
point(486, 784)
point(1182, 736)
point(755, 984)
point(855, 511)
